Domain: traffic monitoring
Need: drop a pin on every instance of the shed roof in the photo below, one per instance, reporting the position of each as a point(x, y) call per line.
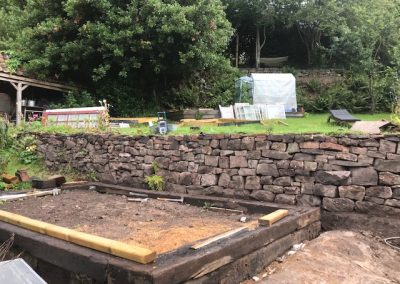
point(20, 76)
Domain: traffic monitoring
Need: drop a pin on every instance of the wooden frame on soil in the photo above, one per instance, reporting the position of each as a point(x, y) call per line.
point(230, 259)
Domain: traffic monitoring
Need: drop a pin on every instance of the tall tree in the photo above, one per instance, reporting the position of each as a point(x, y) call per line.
point(150, 45)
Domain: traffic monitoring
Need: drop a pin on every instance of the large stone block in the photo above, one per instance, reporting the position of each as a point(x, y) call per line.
point(224, 180)
point(332, 177)
point(293, 148)
point(247, 172)
point(308, 200)
point(346, 157)
point(238, 162)
point(325, 190)
point(237, 182)
point(262, 195)
point(386, 146)
point(285, 199)
point(211, 161)
point(276, 155)
point(386, 178)
point(274, 188)
point(338, 204)
point(278, 146)
point(224, 162)
point(253, 182)
point(267, 170)
point(379, 191)
point(309, 145)
point(293, 190)
point(364, 176)
point(264, 180)
point(393, 203)
point(303, 157)
point(247, 143)
point(354, 192)
point(387, 166)
point(283, 181)
point(208, 180)
point(333, 147)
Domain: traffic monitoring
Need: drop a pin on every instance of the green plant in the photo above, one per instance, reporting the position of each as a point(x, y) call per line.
point(22, 186)
point(3, 185)
point(207, 205)
point(91, 175)
point(4, 160)
point(155, 167)
point(155, 182)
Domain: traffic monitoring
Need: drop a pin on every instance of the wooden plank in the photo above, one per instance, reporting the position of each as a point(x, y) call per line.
point(217, 238)
point(273, 217)
point(135, 253)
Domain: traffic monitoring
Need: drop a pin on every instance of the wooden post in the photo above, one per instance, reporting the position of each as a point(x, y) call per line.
point(20, 88)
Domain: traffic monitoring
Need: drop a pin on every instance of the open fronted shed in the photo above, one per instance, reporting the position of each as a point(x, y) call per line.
point(20, 81)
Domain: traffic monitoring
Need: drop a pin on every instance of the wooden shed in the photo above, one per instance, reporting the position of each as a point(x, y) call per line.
point(20, 82)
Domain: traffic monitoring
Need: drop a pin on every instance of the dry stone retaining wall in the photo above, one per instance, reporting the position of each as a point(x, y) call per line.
point(340, 174)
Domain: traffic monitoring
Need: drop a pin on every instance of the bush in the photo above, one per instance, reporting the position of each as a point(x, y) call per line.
point(353, 93)
point(155, 182)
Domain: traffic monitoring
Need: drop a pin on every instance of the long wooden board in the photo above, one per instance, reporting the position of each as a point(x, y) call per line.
point(273, 217)
point(135, 253)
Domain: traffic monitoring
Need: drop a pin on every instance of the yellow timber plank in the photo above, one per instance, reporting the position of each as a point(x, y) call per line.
point(135, 253)
point(273, 217)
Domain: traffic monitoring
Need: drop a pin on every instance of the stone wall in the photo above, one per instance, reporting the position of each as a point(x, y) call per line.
point(341, 174)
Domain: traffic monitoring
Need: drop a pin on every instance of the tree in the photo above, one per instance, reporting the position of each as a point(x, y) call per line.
point(146, 45)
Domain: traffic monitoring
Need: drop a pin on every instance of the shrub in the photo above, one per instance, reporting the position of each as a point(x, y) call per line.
point(155, 182)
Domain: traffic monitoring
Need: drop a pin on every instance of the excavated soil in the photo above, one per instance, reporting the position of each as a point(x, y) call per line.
point(337, 257)
point(158, 225)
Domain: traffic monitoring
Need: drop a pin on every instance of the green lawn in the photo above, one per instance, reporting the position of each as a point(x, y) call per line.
point(312, 123)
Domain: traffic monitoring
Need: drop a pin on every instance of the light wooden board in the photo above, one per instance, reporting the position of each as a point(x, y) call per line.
point(273, 217)
point(135, 253)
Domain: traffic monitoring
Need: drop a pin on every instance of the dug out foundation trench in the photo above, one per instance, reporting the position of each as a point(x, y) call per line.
point(170, 228)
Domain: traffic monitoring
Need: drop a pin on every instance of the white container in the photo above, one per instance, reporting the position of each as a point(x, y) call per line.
point(31, 103)
point(23, 102)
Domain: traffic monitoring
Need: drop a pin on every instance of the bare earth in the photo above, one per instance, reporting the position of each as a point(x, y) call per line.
point(337, 257)
point(158, 225)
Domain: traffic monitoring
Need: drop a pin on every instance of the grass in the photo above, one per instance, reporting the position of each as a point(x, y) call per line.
point(312, 123)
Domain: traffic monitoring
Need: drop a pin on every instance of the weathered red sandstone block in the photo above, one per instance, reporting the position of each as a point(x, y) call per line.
point(334, 147)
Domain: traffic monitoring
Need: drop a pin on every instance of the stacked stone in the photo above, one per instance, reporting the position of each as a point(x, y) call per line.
point(341, 174)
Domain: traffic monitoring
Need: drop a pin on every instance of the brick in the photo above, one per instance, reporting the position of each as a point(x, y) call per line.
point(247, 172)
point(364, 176)
point(283, 181)
point(211, 161)
point(276, 155)
point(263, 195)
point(285, 199)
point(392, 166)
point(325, 190)
point(347, 157)
point(332, 177)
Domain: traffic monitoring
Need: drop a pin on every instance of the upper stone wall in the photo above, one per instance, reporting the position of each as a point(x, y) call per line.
point(341, 173)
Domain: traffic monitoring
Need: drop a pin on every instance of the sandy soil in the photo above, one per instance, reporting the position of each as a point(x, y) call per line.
point(337, 257)
point(158, 225)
